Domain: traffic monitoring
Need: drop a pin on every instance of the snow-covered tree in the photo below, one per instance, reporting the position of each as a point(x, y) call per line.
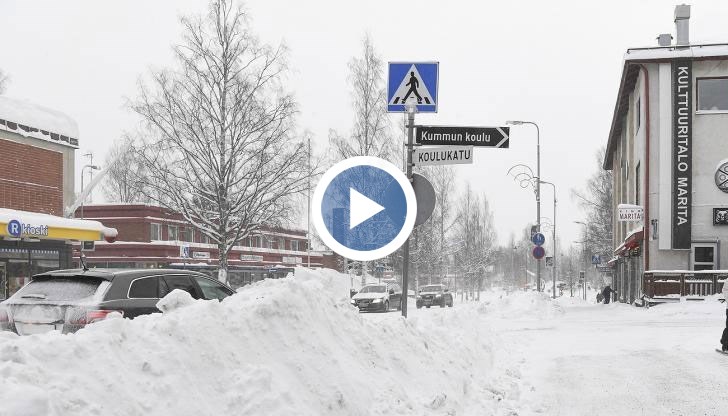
point(371, 134)
point(219, 144)
point(4, 78)
point(123, 181)
point(596, 202)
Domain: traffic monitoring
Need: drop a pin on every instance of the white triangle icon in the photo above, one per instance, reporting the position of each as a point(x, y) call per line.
point(361, 208)
point(412, 90)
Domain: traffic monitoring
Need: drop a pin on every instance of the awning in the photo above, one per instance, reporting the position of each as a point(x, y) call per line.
point(22, 224)
point(633, 240)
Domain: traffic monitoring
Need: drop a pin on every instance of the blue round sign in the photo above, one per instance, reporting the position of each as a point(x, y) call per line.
point(15, 229)
point(538, 239)
point(538, 252)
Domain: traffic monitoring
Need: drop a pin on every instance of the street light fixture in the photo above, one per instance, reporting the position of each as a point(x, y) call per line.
point(83, 197)
point(538, 188)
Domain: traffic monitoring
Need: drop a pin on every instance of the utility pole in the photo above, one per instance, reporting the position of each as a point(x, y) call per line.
point(411, 110)
point(308, 243)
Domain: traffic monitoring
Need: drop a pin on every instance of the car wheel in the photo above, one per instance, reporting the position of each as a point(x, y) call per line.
point(386, 306)
point(399, 305)
point(428, 306)
point(442, 303)
point(449, 305)
point(419, 306)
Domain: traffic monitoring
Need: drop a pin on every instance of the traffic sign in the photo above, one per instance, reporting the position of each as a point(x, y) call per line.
point(443, 155)
point(412, 83)
point(184, 251)
point(596, 259)
point(364, 208)
point(538, 252)
point(538, 239)
point(426, 198)
point(463, 136)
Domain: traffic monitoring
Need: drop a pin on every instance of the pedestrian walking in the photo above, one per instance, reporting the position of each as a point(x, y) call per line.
point(607, 293)
point(724, 338)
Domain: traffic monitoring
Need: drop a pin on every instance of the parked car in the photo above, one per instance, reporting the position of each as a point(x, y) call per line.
point(378, 297)
point(68, 300)
point(434, 295)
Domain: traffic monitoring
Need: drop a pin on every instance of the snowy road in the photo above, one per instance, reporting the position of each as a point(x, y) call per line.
point(611, 359)
point(618, 360)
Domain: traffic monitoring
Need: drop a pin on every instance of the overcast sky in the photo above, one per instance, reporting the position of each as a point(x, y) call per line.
point(556, 63)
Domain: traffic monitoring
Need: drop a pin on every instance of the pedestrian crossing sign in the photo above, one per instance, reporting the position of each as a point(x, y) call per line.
point(412, 83)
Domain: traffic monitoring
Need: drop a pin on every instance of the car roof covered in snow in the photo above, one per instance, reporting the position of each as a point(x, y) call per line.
point(110, 274)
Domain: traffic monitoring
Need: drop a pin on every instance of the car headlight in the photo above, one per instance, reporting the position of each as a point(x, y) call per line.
point(378, 300)
point(353, 301)
point(438, 296)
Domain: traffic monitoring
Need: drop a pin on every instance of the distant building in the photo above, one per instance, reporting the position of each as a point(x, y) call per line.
point(37, 148)
point(154, 237)
point(668, 149)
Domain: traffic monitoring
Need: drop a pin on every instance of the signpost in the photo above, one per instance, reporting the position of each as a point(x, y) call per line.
point(463, 136)
point(443, 155)
point(629, 212)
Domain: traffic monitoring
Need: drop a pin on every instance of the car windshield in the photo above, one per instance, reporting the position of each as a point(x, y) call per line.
point(60, 289)
point(432, 288)
point(373, 289)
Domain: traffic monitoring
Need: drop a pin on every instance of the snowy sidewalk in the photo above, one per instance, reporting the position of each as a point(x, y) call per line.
point(619, 360)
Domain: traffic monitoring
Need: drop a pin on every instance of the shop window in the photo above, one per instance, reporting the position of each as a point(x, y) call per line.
point(172, 233)
point(713, 94)
point(703, 256)
point(156, 231)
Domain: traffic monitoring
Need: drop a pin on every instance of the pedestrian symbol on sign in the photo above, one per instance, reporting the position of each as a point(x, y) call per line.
point(412, 88)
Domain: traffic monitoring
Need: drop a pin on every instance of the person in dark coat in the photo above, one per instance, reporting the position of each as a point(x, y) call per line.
point(607, 293)
point(724, 338)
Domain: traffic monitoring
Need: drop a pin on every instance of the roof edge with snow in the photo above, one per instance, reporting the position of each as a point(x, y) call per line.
point(31, 120)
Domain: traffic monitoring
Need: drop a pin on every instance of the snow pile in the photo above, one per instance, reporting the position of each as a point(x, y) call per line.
point(278, 347)
point(520, 304)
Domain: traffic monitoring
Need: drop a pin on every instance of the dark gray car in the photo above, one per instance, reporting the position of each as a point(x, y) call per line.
point(68, 300)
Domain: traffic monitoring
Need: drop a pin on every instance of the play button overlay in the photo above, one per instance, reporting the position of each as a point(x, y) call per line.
point(364, 208)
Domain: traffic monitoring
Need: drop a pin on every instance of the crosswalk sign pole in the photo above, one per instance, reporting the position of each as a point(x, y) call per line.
point(411, 110)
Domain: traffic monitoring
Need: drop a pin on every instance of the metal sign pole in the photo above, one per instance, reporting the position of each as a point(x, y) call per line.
point(410, 144)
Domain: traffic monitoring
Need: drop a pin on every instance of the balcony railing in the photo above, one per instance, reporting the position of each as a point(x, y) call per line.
point(683, 283)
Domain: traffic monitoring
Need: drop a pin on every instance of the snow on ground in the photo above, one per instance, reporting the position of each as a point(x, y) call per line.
point(295, 346)
point(292, 346)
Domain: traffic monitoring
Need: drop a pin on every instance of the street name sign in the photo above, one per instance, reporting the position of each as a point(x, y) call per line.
point(463, 136)
point(444, 155)
point(412, 83)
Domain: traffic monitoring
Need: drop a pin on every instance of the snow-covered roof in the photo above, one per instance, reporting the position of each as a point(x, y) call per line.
point(31, 120)
point(35, 218)
point(630, 72)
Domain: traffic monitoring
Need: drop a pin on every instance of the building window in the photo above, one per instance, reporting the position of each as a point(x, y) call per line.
point(713, 94)
point(637, 180)
point(172, 233)
point(295, 245)
point(269, 242)
point(186, 234)
point(637, 116)
point(703, 256)
point(255, 241)
point(281, 244)
point(156, 231)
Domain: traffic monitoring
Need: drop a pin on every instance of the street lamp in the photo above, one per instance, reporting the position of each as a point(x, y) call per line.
point(83, 197)
point(538, 188)
point(553, 267)
point(586, 239)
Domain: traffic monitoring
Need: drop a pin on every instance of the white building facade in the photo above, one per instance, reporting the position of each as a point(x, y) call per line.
point(668, 150)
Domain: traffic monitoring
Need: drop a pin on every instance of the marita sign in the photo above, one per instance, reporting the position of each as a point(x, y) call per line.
point(627, 212)
point(463, 136)
point(682, 142)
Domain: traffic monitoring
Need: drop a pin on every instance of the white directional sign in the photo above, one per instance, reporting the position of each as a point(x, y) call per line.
point(442, 155)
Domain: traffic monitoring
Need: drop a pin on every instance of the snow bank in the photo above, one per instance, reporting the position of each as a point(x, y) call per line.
point(520, 304)
point(277, 347)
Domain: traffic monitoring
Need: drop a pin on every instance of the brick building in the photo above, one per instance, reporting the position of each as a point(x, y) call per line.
point(153, 237)
point(37, 150)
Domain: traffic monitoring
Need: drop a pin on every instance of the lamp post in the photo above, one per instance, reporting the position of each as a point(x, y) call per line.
point(553, 271)
point(538, 188)
point(586, 239)
point(83, 198)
